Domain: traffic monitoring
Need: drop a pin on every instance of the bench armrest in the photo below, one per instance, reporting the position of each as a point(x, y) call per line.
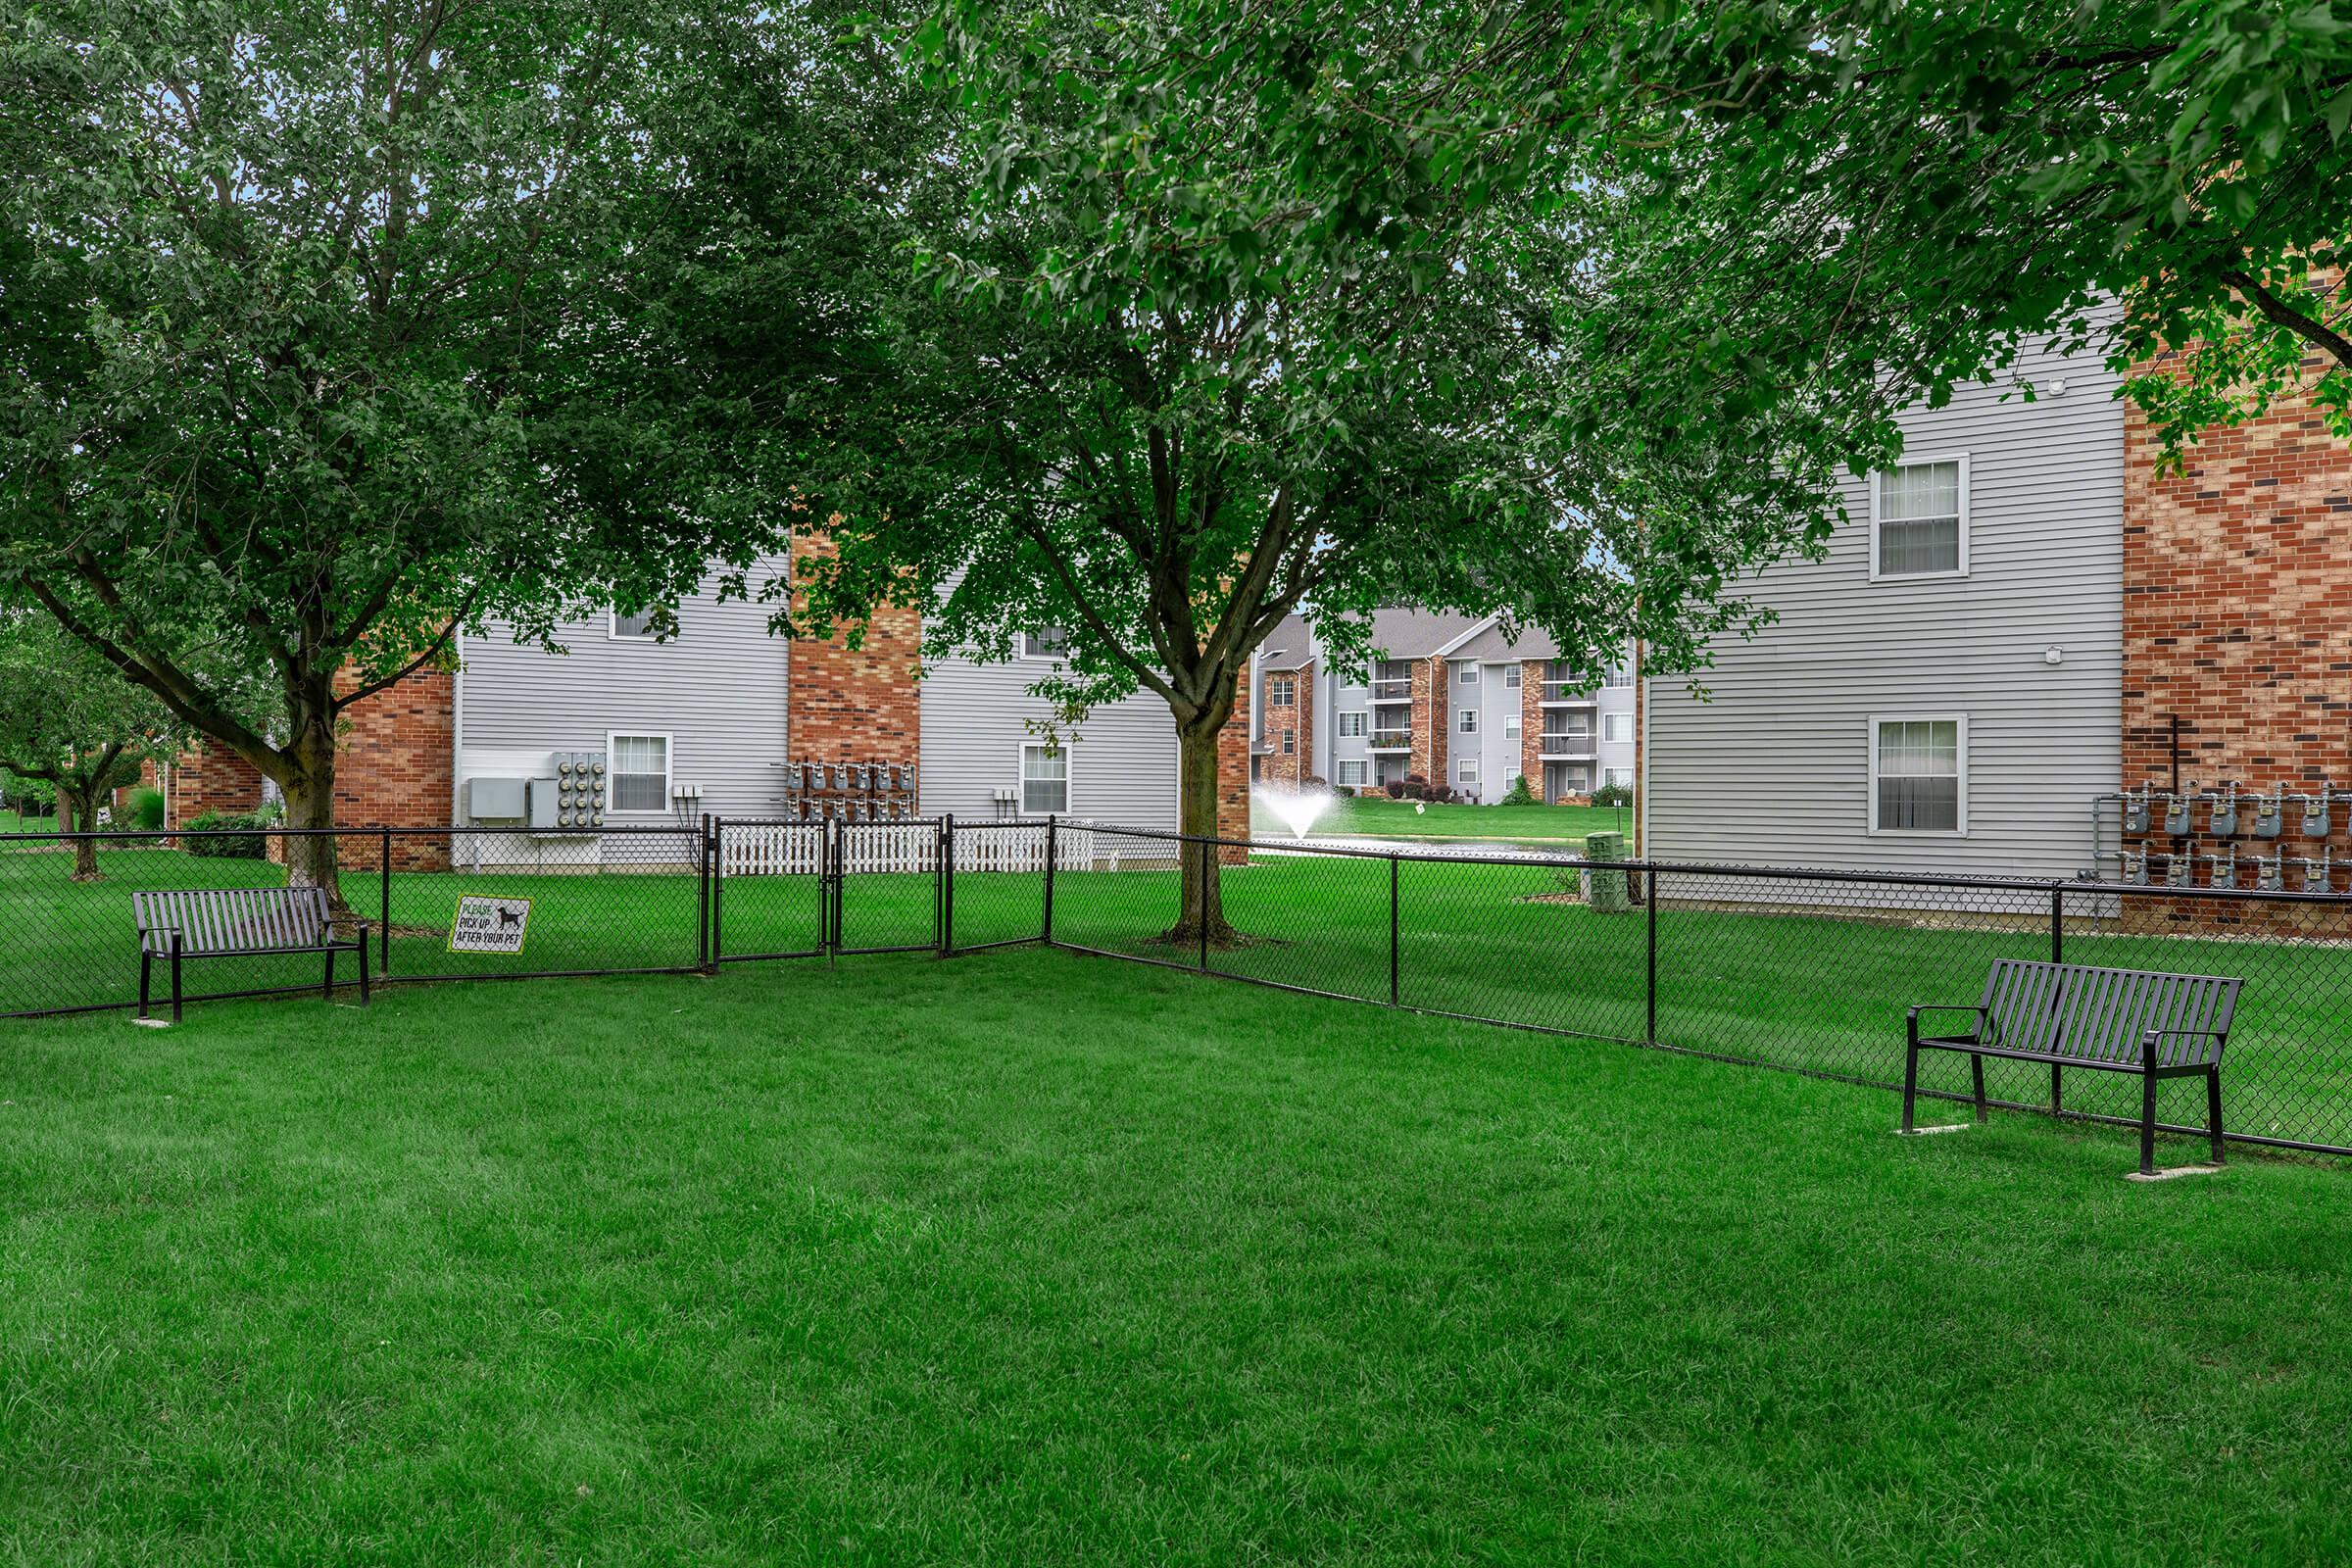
point(1983, 1016)
point(2148, 1042)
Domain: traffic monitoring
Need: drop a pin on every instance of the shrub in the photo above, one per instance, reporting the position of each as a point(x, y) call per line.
point(1613, 795)
point(1518, 794)
point(145, 810)
point(232, 845)
point(1396, 788)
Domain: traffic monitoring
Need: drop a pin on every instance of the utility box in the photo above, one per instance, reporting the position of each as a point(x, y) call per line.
point(1605, 887)
point(494, 800)
point(545, 809)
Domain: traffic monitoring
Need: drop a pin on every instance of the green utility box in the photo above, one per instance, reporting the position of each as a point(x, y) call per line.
point(1605, 891)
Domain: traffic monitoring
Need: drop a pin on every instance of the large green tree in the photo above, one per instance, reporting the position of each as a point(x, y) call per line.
point(307, 315)
point(1110, 371)
point(68, 719)
point(1868, 201)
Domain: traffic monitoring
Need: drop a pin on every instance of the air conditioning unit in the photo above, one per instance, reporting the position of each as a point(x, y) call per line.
point(495, 799)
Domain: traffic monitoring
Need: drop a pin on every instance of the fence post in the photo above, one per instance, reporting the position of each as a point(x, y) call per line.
point(828, 890)
point(1649, 986)
point(702, 894)
point(1209, 868)
point(1046, 928)
point(384, 924)
point(2057, 922)
point(718, 883)
point(1396, 946)
point(946, 885)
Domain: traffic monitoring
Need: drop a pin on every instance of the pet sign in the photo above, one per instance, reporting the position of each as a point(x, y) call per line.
point(485, 925)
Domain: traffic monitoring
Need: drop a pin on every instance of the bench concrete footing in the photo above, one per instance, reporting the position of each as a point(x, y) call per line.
point(2170, 1172)
point(1922, 1132)
point(153, 1023)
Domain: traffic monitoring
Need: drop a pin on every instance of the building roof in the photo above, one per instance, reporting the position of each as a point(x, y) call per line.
point(1533, 642)
point(1418, 633)
point(1289, 646)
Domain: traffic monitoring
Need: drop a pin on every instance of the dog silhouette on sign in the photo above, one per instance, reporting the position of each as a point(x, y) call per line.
point(509, 915)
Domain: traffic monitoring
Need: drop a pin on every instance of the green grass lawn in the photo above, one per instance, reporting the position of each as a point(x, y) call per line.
point(1503, 941)
point(903, 1261)
point(1378, 816)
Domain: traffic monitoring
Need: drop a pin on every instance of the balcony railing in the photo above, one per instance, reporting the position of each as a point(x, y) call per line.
point(1572, 746)
point(1391, 740)
point(1558, 692)
point(1393, 691)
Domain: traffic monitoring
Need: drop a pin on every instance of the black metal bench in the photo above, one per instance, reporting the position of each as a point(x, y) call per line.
point(2158, 1026)
point(238, 924)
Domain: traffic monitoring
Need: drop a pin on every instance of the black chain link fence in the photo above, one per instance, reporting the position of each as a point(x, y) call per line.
point(1805, 970)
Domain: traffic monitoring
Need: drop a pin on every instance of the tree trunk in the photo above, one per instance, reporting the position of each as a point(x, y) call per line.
point(1203, 900)
point(77, 810)
point(309, 784)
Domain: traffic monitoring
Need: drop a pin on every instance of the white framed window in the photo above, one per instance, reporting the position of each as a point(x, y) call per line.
point(1617, 776)
point(1281, 691)
point(1466, 722)
point(1352, 724)
point(1465, 772)
point(1046, 642)
point(637, 628)
point(1919, 519)
point(1290, 743)
point(1616, 727)
point(639, 771)
point(1045, 778)
point(1465, 674)
point(1618, 675)
point(1510, 677)
point(1918, 774)
point(1510, 724)
point(1355, 772)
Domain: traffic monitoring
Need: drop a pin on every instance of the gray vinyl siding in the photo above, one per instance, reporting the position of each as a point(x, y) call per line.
point(976, 718)
point(716, 690)
point(1774, 765)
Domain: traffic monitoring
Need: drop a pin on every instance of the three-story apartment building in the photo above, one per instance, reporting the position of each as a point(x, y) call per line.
point(1446, 698)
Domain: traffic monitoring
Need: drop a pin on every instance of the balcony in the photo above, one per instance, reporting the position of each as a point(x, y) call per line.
point(1393, 691)
point(1568, 694)
point(1391, 740)
point(1566, 748)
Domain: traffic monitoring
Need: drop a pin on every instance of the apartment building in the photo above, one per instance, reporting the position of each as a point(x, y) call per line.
point(713, 719)
point(2018, 621)
point(1448, 698)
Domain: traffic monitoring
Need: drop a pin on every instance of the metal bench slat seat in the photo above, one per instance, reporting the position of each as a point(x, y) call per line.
point(2139, 1021)
point(176, 925)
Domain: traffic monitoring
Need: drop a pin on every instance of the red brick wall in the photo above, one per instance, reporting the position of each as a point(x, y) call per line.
point(2237, 611)
point(1432, 714)
point(1233, 779)
point(1298, 720)
point(210, 778)
point(844, 705)
point(1531, 724)
point(393, 766)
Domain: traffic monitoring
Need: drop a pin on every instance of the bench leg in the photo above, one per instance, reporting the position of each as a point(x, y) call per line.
point(2213, 1110)
point(2054, 1089)
point(363, 971)
point(175, 979)
point(1975, 1074)
point(146, 978)
point(327, 989)
point(2147, 1121)
point(1911, 1077)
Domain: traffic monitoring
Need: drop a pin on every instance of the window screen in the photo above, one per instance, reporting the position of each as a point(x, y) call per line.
point(640, 773)
point(1919, 775)
point(1919, 519)
point(1045, 780)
